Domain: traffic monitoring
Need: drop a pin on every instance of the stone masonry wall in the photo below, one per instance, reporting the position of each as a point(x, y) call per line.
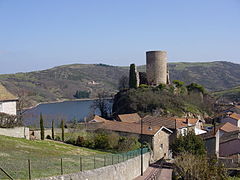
point(19, 132)
point(127, 170)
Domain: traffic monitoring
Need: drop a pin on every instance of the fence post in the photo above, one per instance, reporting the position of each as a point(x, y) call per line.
point(112, 159)
point(94, 163)
point(80, 163)
point(61, 166)
point(104, 161)
point(29, 169)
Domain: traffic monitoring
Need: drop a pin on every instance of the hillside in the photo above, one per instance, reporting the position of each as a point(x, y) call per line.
point(230, 95)
point(214, 76)
point(62, 82)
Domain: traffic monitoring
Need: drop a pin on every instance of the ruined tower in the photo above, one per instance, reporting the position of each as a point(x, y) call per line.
point(156, 67)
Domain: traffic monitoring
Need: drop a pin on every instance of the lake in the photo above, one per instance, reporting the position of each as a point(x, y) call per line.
point(67, 110)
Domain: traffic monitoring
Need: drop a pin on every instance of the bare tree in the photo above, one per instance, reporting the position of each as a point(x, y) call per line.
point(22, 103)
point(103, 104)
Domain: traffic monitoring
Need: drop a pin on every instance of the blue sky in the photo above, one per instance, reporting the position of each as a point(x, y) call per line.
point(41, 34)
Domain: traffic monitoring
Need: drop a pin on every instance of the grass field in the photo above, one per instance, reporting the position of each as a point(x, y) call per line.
point(45, 158)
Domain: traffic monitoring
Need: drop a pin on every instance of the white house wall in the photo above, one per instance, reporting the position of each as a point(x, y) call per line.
point(9, 107)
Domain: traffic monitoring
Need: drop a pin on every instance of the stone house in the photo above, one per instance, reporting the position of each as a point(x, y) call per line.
point(156, 136)
point(211, 140)
point(8, 102)
point(179, 126)
point(222, 140)
point(230, 144)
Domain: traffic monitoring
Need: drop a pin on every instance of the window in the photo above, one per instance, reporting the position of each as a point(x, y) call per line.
point(1, 107)
point(161, 146)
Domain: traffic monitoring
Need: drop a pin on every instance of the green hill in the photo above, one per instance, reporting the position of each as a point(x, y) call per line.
point(231, 95)
point(62, 82)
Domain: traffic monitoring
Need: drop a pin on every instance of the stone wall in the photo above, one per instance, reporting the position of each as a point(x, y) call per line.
point(36, 134)
point(19, 132)
point(160, 145)
point(127, 170)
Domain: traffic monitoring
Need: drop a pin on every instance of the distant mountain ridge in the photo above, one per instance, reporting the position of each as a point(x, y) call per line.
point(62, 82)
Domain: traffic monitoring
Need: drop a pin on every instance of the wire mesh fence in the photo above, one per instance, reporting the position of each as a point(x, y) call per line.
point(55, 165)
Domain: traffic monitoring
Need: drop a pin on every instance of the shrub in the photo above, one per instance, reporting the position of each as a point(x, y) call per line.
point(195, 87)
point(57, 138)
point(178, 83)
point(9, 121)
point(143, 86)
point(113, 139)
point(41, 127)
point(80, 141)
point(128, 143)
point(101, 141)
point(189, 166)
point(190, 143)
point(52, 129)
point(71, 141)
point(132, 77)
point(62, 126)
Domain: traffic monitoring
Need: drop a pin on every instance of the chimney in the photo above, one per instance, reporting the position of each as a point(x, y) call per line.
point(187, 121)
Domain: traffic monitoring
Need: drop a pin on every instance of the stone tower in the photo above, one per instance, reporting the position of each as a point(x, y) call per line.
point(156, 67)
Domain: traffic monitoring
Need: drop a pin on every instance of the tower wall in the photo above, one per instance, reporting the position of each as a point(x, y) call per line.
point(156, 67)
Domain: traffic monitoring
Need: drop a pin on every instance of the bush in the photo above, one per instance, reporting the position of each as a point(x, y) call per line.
point(195, 87)
point(101, 141)
point(189, 143)
point(189, 166)
point(80, 141)
point(71, 141)
point(178, 83)
point(143, 86)
point(9, 121)
point(128, 143)
point(57, 138)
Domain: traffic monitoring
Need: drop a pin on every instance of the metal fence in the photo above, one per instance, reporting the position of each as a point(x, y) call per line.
point(57, 165)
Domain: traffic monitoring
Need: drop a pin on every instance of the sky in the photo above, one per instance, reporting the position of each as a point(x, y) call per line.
point(36, 35)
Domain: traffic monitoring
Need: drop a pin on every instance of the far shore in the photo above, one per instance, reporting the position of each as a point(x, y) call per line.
point(63, 100)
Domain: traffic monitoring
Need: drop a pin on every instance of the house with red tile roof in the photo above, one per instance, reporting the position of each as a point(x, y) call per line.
point(156, 136)
point(177, 125)
point(222, 140)
point(8, 102)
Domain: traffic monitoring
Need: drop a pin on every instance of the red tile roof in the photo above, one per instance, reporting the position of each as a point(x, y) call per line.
point(134, 117)
point(134, 128)
point(171, 123)
point(227, 127)
point(235, 116)
point(97, 118)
